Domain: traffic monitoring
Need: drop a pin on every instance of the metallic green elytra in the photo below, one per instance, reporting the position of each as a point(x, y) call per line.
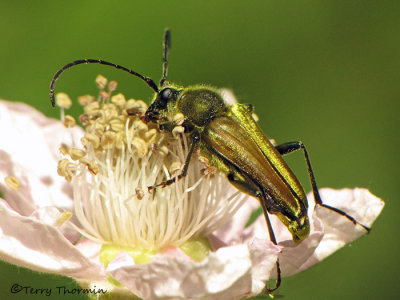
point(232, 141)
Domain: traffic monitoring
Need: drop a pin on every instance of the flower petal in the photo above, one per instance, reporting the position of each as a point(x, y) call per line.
point(329, 230)
point(224, 274)
point(263, 256)
point(32, 157)
point(228, 96)
point(338, 230)
point(28, 243)
point(231, 232)
point(52, 216)
point(294, 258)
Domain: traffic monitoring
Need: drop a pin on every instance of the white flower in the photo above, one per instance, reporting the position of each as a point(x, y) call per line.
point(106, 220)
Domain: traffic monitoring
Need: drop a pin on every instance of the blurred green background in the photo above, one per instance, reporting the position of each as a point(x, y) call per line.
point(324, 72)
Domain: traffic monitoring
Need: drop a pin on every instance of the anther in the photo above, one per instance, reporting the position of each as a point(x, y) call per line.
point(140, 146)
point(12, 182)
point(85, 100)
point(177, 131)
point(69, 121)
point(63, 100)
point(175, 167)
point(178, 119)
point(119, 100)
point(101, 82)
point(112, 86)
point(64, 217)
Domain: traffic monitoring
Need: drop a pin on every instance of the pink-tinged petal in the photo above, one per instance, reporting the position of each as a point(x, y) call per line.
point(90, 250)
point(28, 243)
point(32, 157)
point(338, 230)
point(329, 230)
point(224, 274)
point(173, 252)
point(294, 258)
point(358, 202)
point(263, 257)
point(21, 201)
point(231, 232)
point(228, 96)
point(259, 230)
point(51, 215)
point(48, 215)
point(216, 242)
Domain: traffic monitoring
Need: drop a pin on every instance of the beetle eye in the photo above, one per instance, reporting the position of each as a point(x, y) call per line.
point(166, 94)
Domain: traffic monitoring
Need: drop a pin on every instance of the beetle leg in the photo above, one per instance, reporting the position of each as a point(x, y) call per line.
point(289, 147)
point(266, 289)
point(242, 184)
point(247, 186)
point(195, 139)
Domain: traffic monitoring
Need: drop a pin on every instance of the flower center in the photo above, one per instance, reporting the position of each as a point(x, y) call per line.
point(120, 158)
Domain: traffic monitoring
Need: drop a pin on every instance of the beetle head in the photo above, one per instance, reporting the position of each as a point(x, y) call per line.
point(163, 104)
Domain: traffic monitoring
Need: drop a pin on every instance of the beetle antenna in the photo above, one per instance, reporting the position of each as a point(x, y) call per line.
point(167, 46)
point(148, 80)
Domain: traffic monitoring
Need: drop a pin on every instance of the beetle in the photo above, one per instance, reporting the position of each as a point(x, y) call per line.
point(231, 140)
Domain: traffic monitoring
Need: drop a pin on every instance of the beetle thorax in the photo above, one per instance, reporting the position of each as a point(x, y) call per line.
point(200, 105)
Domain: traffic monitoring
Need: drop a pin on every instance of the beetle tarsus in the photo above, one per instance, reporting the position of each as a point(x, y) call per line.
point(350, 218)
point(266, 289)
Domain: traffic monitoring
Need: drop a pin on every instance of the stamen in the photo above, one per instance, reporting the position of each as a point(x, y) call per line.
point(112, 86)
point(69, 121)
point(92, 139)
point(92, 108)
point(140, 146)
point(64, 216)
point(86, 99)
point(178, 119)
point(139, 193)
point(101, 82)
point(66, 169)
point(175, 167)
point(91, 165)
point(117, 125)
point(63, 100)
point(76, 154)
point(12, 182)
point(84, 119)
point(177, 131)
point(163, 150)
point(119, 100)
point(121, 157)
point(134, 107)
point(64, 149)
